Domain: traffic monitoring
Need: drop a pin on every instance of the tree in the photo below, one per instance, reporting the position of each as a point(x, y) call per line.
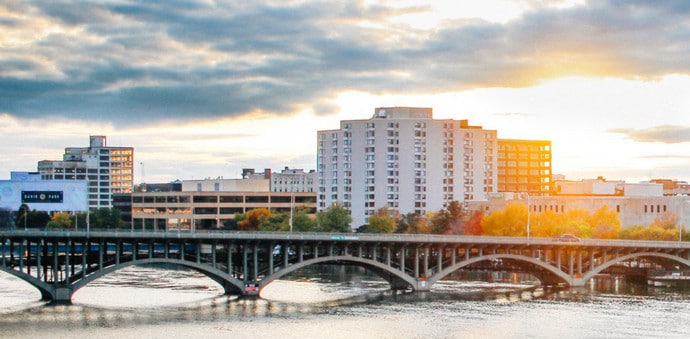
point(275, 223)
point(334, 219)
point(253, 219)
point(382, 221)
point(605, 223)
point(576, 222)
point(511, 221)
point(301, 222)
point(31, 218)
point(6, 219)
point(59, 221)
point(456, 218)
point(107, 218)
point(413, 223)
point(473, 226)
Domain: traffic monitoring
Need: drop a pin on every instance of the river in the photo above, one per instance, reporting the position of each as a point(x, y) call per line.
point(146, 302)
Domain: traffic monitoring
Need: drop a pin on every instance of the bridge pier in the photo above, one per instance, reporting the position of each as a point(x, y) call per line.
point(422, 285)
point(62, 295)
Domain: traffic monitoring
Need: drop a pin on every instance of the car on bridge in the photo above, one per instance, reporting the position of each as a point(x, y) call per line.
point(567, 238)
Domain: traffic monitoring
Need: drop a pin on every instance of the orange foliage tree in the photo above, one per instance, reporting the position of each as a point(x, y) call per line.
point(511, 221)
point(254, 219)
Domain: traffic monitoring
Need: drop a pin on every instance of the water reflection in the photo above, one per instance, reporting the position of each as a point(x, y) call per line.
point(343, 302)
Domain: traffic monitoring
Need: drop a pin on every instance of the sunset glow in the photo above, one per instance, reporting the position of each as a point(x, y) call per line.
point(227, 86)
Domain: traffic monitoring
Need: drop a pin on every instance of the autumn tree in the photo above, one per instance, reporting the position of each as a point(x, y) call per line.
point(473, 226)
point(253, 219)
point(62, 220)
point(511, 221)
point(412, 223)
point(605, 223)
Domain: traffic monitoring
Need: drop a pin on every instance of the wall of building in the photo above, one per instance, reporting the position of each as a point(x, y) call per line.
point(632, 210)
point(43, 195)
point(108, 170)
point(405, 160)
point(252, 184)
point(204, 210)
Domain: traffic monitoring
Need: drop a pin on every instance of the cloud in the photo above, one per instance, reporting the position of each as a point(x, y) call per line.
point(668, 134)
point(142, 62)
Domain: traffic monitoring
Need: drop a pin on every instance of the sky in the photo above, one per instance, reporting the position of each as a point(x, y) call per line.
point(205, 88)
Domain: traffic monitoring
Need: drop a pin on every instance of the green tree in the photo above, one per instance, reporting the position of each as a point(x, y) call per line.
point(301, 222)
point(383, 221)
point(439, 222)
point(334, 219)
point(275, 223)
point(31, 218)
point(106, 218)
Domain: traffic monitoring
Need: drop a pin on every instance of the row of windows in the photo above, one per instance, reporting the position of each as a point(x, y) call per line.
point(184, 199)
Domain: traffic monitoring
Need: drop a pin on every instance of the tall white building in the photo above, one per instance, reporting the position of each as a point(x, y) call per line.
point(108, 170)
point(403, 159)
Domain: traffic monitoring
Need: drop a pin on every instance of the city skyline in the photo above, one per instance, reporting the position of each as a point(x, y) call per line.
point(225, 86)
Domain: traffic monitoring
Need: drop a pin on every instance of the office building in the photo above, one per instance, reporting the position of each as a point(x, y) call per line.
point(524, 166)
point(403, 159)
point(108, 170)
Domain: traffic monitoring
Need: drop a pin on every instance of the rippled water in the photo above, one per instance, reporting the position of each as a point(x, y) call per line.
point(145, 302)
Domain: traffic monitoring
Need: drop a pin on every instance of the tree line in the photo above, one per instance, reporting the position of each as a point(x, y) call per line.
point(454, 219)
point(103, 218)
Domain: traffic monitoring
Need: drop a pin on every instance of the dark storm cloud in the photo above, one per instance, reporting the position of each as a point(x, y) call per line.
point(668, 134)
point(141, 62)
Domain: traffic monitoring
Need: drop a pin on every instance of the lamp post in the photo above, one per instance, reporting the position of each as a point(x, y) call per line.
point(292, 200)
point(25, 210)
point(528, 213)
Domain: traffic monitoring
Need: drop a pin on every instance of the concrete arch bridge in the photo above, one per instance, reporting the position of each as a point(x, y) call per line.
point(58, 263)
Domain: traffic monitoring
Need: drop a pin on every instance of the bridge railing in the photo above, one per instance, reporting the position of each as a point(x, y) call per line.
point(321, 236)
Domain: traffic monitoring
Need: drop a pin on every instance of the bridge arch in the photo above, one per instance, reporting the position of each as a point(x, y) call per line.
point(44, 288)
point(590, 274)
point(228, 282)
point(547, 267)
point(379, 268)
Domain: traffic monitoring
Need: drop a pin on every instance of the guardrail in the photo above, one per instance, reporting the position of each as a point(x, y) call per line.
point(319, 236)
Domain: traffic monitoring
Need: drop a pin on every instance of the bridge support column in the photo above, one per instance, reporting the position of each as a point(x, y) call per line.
point(62, 295)
point(422, 285)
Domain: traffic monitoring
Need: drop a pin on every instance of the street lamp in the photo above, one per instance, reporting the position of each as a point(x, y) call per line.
point(25, 209)
point(528, 213)
point(292, 200)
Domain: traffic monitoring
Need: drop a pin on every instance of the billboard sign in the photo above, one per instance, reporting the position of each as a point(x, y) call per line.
point(51, 197)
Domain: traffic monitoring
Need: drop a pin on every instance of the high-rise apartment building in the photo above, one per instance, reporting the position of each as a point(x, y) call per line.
point(108, 170)
point(403, 159)
point(524, 166)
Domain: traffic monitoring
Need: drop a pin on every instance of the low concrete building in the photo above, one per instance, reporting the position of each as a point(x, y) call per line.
point(208, 210)
point(632, 210)
point(250, 184)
